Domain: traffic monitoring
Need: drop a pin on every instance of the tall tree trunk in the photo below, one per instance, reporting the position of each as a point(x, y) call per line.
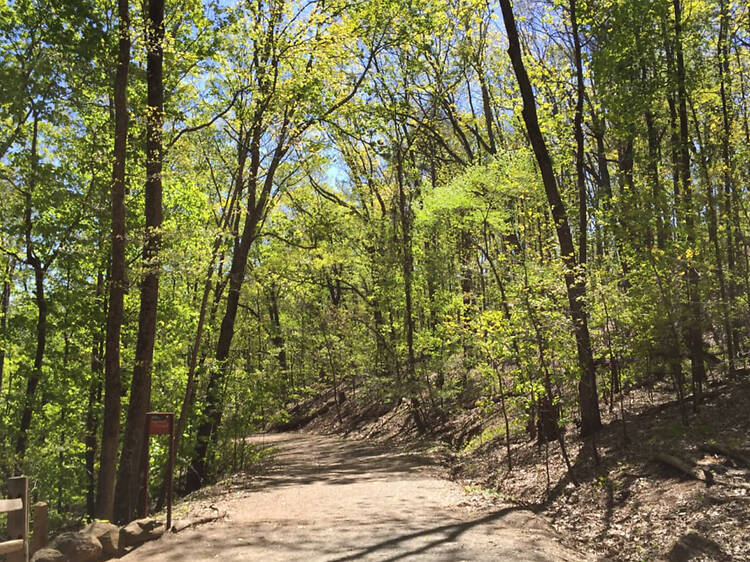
point(487, 110)
point(187, 400)
point(575, 284)
point(258, 200)
point(729, 210)
point(628, 207)
point(129, 473)
point(735, 196)
point(95, 391)
point(604, 184)
point(465, 255)
point(36, 373)
point(197, 472)
point(4, 306)
point(41, 303)
point(578, 134)
point(407, 268)
point(713, 237)
point(653, 169)
point(112, 382)
point(695, 323)
point(62, 450)
point(673, 346)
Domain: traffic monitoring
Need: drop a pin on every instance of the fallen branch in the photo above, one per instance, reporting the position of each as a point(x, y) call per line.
point(686, 468)
point(738, 456)
point(188, 523)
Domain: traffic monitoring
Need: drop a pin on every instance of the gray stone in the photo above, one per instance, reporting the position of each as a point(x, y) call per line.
point(140, 531)
point(693, 545)
point(78, 547)
point(108, 534)
point(48, 555)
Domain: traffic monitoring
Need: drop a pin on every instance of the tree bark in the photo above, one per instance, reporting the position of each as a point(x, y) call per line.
point(695, 323)
point(578, 134)
point(729, 208)
point(4, 306)
point(131, 460)
point(487, 110)
point(40, 270)
point(575, 284)
point(187, 401)
point(36, 373)
point(407, 269)
point(95, 391)
point(653, 169)
point(206, 431)
point(256, 207)
point(713, 237)
point(112, 382)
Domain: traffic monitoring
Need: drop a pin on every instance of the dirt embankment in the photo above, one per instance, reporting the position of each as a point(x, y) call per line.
point(628, 506)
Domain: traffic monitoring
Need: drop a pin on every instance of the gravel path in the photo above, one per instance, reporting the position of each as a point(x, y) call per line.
point(338, 500)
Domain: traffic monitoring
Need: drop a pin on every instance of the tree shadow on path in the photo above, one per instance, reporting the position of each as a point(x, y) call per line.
point(450, 533)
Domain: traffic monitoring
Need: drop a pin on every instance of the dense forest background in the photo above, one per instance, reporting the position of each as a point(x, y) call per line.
point(222, 209)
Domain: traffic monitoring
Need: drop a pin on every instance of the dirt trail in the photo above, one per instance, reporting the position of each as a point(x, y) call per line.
point(338, 500)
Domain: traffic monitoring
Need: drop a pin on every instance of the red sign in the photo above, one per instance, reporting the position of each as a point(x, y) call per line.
point(160, 423)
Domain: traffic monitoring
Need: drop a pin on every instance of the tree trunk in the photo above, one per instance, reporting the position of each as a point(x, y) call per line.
point(729, 210)
point(36, 373)
point(578, 134)
point(257, 205)
point(95, 391)
point(129, 473)
point(713, 238)
point(4, 306)
point(695, 323)
point(41, 303)
point(197, 472)
point(653, 169)
point(465, 254)
point(576, 286)
point(487, 110)
point(112, 382)
point(407, 265)
point(187, 401)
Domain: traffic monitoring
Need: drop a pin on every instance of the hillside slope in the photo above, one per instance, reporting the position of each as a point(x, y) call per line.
point(627, 506)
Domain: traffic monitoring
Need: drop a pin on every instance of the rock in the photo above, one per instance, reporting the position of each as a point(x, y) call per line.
point(140, 531)
point(78, 547)
point(108, 534)
point(48, 555)
point(693, 546)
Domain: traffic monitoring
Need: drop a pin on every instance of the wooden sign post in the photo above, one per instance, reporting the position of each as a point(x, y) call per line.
point(159, 423)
